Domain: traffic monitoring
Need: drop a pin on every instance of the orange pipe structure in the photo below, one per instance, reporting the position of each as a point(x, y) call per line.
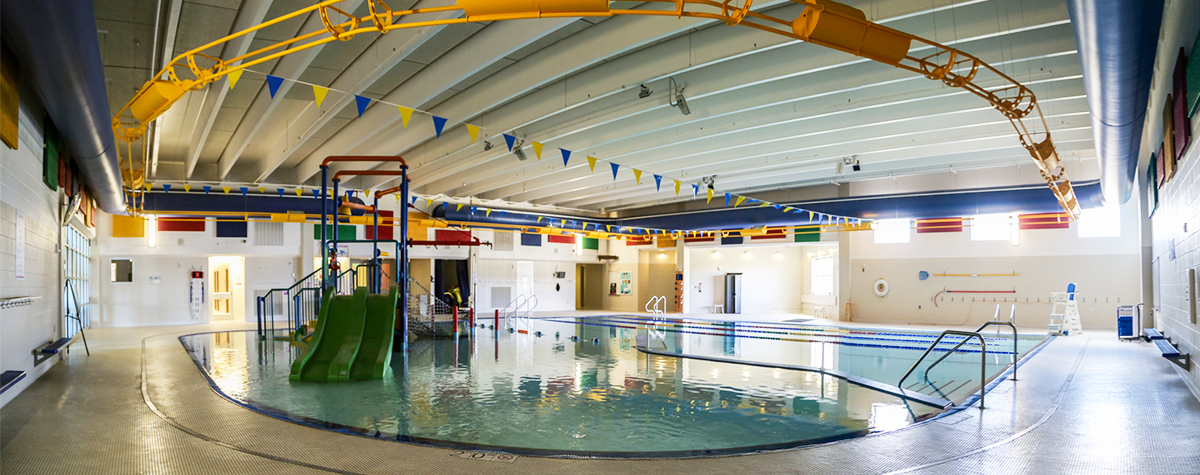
point(338, 175)
point(362, 158)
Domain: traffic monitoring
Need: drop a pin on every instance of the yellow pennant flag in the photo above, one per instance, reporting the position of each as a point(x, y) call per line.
point(677, 185)
point(537, 148)
point(810, 215)
point(233, 78)
point(540, 218)
point(149, 186)
point(319, 94)
point(788, 209)
point(637, 175)
point(187, 188)
point(428, 202)
point(710, 193)
point(474, 131)
point(262, 190)
point(459, 207)
point(405, 115)
point(299, 192)
point(765, 204)
point(226, 188)
point(488, 212)
point(739, 201)
point(592, 163)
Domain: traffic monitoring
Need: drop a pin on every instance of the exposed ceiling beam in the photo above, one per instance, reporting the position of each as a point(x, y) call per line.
point(251, 13)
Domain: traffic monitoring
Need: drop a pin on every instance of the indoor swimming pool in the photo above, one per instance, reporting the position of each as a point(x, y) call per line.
point(584, 388)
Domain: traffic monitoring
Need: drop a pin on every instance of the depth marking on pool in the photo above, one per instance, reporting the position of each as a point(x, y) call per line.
point(463, 454)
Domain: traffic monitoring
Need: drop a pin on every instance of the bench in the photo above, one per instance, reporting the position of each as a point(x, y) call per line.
point(1172, 353)
point(9, 379)
point(44, 352)
point(1153, 334)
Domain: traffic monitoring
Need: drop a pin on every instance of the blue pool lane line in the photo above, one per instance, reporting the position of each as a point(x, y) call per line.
point(865, 345)
point(849, 334)
point(926, 399)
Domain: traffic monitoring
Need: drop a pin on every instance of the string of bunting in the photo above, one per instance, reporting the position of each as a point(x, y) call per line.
point(362, 103)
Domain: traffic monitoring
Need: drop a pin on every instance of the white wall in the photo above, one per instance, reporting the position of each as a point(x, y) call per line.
point(769, 284)
point(1107, 271)
point(22, 189)
point(499, 269)
point(141, 303)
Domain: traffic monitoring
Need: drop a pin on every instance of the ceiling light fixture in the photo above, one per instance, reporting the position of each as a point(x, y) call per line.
point(680, 101)
point(518, 150)
point(487, 145)
point(644, 92)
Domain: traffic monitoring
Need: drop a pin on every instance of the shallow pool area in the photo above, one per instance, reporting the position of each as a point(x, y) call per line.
point(583, 387)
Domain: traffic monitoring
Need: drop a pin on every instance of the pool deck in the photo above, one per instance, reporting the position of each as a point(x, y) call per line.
point(1086, 404)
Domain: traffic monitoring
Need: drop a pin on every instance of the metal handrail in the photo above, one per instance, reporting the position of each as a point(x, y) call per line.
point(967, 336)
point(656, 311)
point(522, 301)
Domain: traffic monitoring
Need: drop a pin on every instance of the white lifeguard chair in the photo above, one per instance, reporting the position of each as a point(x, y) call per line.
point(1064, 312)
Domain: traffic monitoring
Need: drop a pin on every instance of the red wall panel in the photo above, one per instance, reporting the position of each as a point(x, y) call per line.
point(168, 223)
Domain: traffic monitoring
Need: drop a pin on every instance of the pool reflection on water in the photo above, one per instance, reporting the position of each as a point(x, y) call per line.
point(550, 395)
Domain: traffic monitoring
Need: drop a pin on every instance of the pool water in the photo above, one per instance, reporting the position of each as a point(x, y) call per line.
point(600, 396)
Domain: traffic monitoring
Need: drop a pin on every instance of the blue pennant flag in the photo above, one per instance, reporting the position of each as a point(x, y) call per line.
point(510, 140)
point(362, 103)
point(438, 124)
point(727, 197)
point(695, 191)
point(166, 188)
point(778, 206)
point(273, 83)
point(207, 188)
point(657, 183)
point(614, 167)
point(414, 200)
point(243, 191)
point(751, 201)
point(280, 190)
point(473, 210)
point(566, 155)
point(316, 193)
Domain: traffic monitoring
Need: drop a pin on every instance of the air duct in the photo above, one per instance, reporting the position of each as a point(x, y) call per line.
point(57, 45)
point(1117, 42)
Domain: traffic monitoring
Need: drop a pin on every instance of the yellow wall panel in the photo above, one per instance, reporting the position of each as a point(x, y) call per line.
point(128, 226)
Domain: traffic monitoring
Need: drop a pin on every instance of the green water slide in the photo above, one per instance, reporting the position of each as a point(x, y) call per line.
point(353, 338)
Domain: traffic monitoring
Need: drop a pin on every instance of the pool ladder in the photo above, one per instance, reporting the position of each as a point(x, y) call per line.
point(656, 312)
point(967, 336)
point(519, 312)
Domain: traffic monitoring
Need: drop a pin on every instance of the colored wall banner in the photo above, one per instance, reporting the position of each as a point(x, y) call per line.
point(531, 239)
point(180, 224)
point(232, 229)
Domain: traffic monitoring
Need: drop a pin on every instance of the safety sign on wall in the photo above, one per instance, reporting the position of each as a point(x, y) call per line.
point(196, 294)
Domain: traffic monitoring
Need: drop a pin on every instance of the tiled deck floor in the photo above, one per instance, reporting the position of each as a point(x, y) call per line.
point(1085, 404)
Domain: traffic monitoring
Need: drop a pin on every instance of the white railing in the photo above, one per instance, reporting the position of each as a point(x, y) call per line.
point(518, 311)
point(655, 311)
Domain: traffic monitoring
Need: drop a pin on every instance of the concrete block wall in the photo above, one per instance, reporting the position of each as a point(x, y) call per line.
point(21, 189)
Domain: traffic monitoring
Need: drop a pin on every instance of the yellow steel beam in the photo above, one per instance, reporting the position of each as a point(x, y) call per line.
point(823, 22)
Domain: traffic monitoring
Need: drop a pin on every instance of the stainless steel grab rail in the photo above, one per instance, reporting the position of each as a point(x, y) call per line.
point(967, 337)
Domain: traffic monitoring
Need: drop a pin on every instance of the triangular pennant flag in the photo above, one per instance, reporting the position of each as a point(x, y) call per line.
point(233, 78)
point(777, 206)
point(438, 124)
point(765, 204)
point(226, 188)
point(789, 209)
point(299, 192)
point(488, 213)
point(187, 188)
point(614, 168)
point(207, 188)
point(727, 198)
point(710, 195)
point(460, 207)
point(739, 201)
point(810, 215)
point(362, 103)
point(405, 115)
point(540, 218)
point(566, 155)
point(510, 140)
point(149, 186)
point(696, 191)
point(657, 183)
point(262, 189)
point(429, 203)
point(474, 131)
point(474, 209)
point(592, 163)
point(751, 201)
point(608, 227)
point(319, 94)
point(280, 190)
point(316, 193)
point(167, 188)
point(273, 83)
point(243, 190)
point(414, 200)
point(677, 184)
point(537, 149)
point(637, 175)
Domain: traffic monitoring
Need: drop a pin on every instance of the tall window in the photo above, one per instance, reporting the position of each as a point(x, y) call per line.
point(1100, 222)
point(891, 231)
point(991, 227)
point(77, 266)
point(822, 275)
